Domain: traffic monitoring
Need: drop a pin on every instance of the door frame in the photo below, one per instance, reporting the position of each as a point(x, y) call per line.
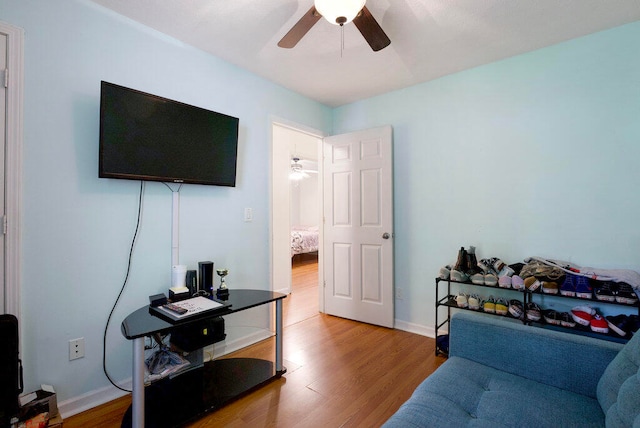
point(13, 166)
point(296, 127)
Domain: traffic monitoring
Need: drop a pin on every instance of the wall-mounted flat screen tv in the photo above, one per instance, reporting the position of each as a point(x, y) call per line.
point(147, 137)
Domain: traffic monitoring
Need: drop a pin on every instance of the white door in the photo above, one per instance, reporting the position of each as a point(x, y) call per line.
point(358, 226)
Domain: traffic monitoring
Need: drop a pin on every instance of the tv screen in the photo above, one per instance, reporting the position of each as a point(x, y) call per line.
point(147, 137)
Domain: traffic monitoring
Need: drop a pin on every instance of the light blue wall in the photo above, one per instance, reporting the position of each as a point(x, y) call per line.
point(77, 228)
point(533, 155)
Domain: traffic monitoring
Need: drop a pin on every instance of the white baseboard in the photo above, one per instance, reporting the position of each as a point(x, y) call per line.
point(416, 328)
point(92, 399)
point(100, 396)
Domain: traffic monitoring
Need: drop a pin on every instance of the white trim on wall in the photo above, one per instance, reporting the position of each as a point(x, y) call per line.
point(13, 167)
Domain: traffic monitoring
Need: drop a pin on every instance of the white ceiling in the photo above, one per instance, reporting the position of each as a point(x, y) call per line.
point(429, 38)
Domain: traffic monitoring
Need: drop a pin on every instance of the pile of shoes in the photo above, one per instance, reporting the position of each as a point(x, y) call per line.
point(587, 316)
point(492, 272)
point(489, 305)
point(539, 277)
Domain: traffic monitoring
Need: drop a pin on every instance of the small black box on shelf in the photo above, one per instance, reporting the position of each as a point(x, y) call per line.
point(199, 334)
point(157, 300)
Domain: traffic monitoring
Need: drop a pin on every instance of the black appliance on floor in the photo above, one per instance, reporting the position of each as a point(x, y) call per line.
point(10, 369)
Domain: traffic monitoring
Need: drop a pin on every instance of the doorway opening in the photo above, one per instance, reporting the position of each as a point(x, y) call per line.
point(296, 217)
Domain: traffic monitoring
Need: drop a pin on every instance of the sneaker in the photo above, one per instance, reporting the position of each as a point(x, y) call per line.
point(604, 291)
point(477, 278)
point(618, 324)
point(566, 320)
point(458, 276)
point(502, 307)
point(486, 266)
point(504, 282)
point(497, 264)
point(532, 284)
point(489, 305)
point(583, 288)
point(444, 273)
point(599, 324)
point(515, 308)
point(568, 287)
point(474, 302)
point(534, 313)
point(500, 267)
point(462, 300)
point(551, 317)
point(517, 283)
point(626, 294)
point(633, 325)
point(549, 287)
point(583, 315)
point(490, 279)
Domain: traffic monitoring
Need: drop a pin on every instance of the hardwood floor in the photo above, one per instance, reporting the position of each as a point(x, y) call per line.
point(340, 373)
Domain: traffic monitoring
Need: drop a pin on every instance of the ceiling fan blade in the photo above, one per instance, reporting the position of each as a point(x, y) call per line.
point(301, 28)
point(371, 30)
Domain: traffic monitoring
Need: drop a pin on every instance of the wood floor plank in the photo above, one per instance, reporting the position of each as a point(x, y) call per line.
point(340, 373)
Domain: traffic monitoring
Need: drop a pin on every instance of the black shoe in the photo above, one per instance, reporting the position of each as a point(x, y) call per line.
point(625, 294)
point(619, 324)
point(633, 324)
point(605, 291)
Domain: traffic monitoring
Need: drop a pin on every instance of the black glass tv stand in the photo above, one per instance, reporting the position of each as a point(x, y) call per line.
point(174, 401)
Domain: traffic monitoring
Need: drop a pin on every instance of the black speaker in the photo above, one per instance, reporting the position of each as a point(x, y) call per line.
point(205, 276)
point(192, 281)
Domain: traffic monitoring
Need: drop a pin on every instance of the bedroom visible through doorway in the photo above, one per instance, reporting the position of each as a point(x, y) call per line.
point(296, 216)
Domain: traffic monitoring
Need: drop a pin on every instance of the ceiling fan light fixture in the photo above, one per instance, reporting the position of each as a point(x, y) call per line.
point(297, 173)
point(339, 12)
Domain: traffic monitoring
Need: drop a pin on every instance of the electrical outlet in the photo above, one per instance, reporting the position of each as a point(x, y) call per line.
point(399, 293)
point(76, 348)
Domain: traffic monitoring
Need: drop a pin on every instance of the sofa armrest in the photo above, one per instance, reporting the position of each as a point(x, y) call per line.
point(564, 360)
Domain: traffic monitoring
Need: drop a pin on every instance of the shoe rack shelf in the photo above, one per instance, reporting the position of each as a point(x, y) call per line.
point(525, 296)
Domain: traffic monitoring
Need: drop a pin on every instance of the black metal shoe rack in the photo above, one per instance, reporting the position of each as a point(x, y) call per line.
point(449, 302)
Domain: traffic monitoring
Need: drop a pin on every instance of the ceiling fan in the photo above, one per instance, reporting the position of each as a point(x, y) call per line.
point(339, 12)
point(297, 170)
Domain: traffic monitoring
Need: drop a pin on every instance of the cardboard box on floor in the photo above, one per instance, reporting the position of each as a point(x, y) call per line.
point(45, 397)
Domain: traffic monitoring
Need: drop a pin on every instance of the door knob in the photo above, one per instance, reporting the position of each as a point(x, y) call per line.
point(385, 235)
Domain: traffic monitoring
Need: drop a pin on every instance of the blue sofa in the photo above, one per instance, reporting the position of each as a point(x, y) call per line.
point(501, 373)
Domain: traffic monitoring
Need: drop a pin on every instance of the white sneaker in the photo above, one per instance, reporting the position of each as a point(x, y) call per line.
point(490, 279)
point(477, 278)
point(462, 300)
point(445, 271)
point(474, 302)
point(458, 276)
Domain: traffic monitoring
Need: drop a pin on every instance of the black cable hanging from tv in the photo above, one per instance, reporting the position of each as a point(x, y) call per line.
point(124, 284)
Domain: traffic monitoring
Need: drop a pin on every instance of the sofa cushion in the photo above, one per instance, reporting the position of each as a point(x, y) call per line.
point(465, 393)
point(564, 360)
point(619, 387)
